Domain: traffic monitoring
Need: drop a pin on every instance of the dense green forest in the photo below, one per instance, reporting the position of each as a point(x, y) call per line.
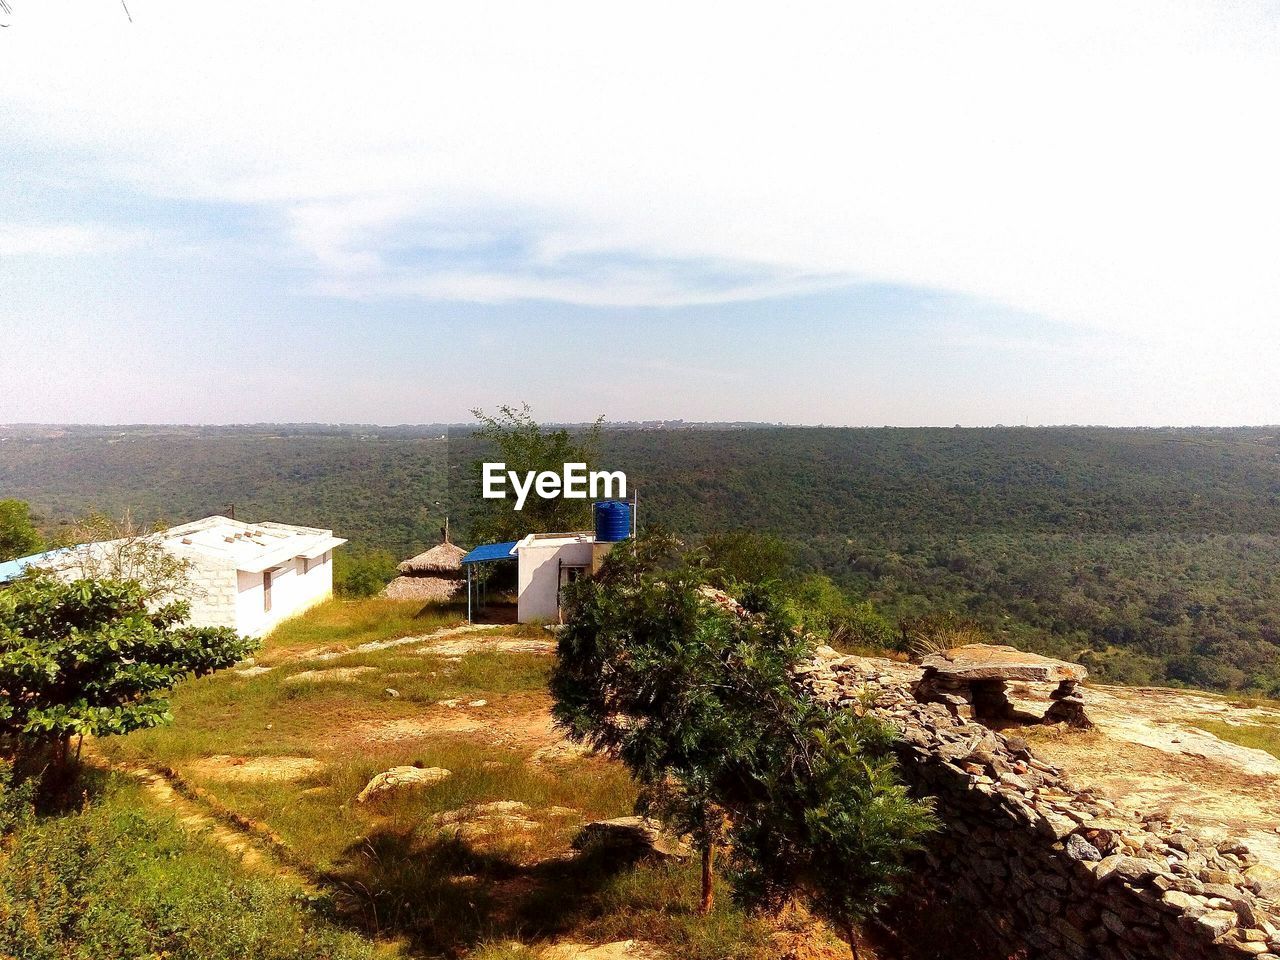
point(1152, 554)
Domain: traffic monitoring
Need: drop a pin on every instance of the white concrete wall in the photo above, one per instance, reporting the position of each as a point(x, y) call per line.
point(212, 595)
point(221, 596)
point(292, 592)
point(539, 597)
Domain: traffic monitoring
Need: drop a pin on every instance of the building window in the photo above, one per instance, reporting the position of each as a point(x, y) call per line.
point(266, 591)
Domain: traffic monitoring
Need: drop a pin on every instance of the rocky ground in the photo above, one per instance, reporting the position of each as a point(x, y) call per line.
point(1147, 753)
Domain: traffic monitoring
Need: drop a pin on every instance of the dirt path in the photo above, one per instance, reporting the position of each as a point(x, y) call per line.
point(258, 854)
point(323, 655)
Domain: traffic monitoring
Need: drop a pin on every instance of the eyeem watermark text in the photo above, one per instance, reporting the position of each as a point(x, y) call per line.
point(574, 482)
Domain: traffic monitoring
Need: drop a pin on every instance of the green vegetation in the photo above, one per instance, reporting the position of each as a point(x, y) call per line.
point(699, 702)
point(118, 881)
point(360, 572)
point(18, 535)
point(1148, 553)
point(1259, 736)
point(513, 437)
point(88, 657)
point(291, 753)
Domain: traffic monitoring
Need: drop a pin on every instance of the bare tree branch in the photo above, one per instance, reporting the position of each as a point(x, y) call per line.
point(8, 10)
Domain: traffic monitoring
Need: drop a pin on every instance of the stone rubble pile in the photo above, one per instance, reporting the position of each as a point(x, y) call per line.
point(1039, 869)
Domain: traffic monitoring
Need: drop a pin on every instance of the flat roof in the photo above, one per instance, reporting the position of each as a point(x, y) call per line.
point(555, 539)
point(251, 547)
point(13, 569)
point(491, 551)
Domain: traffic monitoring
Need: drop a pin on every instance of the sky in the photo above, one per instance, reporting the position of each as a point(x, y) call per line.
point(842, 213)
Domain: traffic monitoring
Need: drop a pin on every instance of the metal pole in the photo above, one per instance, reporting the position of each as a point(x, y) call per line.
point(468, 593)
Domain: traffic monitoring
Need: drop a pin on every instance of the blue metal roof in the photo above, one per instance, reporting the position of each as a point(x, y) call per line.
point(492, 551)
point(13, 569)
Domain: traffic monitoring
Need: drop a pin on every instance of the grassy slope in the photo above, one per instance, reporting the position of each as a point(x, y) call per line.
point(395, 873)
point(120, 881)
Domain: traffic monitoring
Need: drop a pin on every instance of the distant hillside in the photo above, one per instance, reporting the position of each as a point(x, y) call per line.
point(1155, 550)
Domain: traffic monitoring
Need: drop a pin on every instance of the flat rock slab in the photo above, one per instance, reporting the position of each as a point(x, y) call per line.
point(620, 950)
point(501, 818)
point(981, 661)
point(229, 769)
point(331, 675)
point(461, 646)
point(401, 778)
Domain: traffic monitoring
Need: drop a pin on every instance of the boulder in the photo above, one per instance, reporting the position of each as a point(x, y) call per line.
point(983, 661)
point(401, 778)
point(633, 836)
point(1078, 848)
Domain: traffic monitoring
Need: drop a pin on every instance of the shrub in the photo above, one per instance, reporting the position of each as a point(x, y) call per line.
point(18, 535)
point(822, 608)
point(699, 700)
point(740, 558)
point(89, 657)
point(116, 882)
point(362, 574)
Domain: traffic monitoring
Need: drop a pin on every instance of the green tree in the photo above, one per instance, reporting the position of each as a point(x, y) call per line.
point(739, 558)
point(636, 640)
point(698, 698)
point(18, 535)
point(824, 818)
point(89, 657)
point(362, 573)
point(523, 444)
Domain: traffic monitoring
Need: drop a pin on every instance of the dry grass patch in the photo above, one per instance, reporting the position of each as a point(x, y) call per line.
point(343, 624)
point(224, 768)
point(481, 855)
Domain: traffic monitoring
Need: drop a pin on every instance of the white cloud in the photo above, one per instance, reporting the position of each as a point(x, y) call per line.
point(1107, 165)
point(65, 239)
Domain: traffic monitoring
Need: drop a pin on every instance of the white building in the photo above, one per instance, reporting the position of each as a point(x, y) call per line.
point(248, 576)
point(545, 563)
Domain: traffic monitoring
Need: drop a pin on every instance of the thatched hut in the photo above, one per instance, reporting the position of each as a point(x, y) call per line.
point(435, 574)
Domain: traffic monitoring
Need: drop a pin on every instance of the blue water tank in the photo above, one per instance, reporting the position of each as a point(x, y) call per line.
point(613, 521)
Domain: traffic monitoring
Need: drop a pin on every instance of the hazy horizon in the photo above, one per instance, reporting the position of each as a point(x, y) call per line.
point(689, 424)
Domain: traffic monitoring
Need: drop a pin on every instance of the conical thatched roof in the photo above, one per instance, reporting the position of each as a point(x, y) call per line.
point(443, 558)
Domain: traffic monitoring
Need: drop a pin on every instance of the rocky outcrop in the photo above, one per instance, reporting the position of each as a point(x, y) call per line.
point(632, 836)
point(972, 681)
point(401, 778)
point(1040, 869)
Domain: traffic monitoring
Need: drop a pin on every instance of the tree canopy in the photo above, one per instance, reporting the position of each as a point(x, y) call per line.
point(519, 441)
point(696, 694)
point(89, 657)
point(1147, 554)
point(18, 535)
